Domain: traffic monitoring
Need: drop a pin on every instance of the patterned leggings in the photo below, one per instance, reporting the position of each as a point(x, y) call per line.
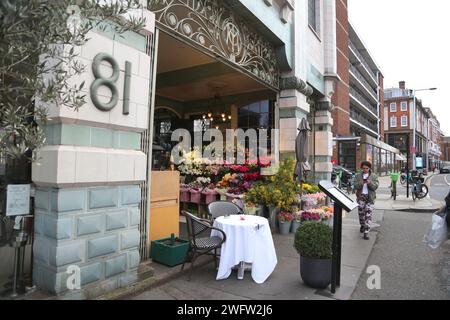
point(365, 211)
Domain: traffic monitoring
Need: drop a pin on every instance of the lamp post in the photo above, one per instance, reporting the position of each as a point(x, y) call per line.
point(415, 122)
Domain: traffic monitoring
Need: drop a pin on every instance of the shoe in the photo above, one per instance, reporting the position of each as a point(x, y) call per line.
point(366, 236)
point(362, 229)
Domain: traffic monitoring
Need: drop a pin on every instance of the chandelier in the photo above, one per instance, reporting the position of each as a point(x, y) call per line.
point(216, 119)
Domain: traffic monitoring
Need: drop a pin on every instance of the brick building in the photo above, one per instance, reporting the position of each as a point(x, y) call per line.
point(405, 117)
point(358, 130)
point(445, 149)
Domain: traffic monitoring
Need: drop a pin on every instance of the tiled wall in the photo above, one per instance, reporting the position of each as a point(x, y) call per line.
point(93, 228)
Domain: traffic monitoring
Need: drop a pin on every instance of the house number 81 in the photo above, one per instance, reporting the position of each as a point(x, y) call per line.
point(110, 83)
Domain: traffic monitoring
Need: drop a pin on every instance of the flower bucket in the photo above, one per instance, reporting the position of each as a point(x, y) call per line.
point(295, 225)
point(222, 193)
point(210, 196)
point(285, 227)
point(184, 195)
point(196, 196)
point(251, 210)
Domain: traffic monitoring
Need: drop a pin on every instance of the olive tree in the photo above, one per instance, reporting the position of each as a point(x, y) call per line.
point(38, 59)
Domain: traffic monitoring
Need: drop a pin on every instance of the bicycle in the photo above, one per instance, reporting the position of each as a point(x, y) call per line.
point(350, 185)
point(393, 186)
point(418, 189)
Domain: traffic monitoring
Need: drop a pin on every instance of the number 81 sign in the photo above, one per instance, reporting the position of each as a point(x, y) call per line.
point(110, 83)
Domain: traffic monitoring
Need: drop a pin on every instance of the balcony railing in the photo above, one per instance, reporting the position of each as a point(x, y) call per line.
point(362, 120)
point(363, 101)
point(363, 61)
point(360, 77)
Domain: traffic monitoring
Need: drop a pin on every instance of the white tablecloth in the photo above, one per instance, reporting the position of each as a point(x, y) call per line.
point(248, 240)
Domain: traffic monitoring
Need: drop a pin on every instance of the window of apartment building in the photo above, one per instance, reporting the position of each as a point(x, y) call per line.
point(404, 106)
point(314, 15)
point(393, 107)
point(404, 121)
point(393, 122)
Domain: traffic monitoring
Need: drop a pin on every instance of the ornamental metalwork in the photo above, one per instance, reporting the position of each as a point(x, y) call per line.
point(217, 29)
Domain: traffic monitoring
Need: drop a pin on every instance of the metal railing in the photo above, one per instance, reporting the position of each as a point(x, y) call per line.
point(364, 101)
point(361, 78)
point(361, 58)
point(362, 120)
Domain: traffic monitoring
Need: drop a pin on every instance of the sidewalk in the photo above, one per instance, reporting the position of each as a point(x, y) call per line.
point(284, 284)
point(385, 202)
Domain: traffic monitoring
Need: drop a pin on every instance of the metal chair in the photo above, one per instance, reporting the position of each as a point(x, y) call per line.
point(222, 208)
point(200, 245)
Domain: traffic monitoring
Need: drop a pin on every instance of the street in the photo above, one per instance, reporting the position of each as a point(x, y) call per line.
point(409, 269)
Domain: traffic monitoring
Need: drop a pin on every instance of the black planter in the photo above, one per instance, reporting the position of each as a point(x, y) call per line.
point(316, 273)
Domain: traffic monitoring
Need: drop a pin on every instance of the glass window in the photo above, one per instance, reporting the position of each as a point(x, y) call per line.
point(404, 106)
point(404, 121)
point(347, 155)
point(393, 107)
point(393, 122)
point(313, 14)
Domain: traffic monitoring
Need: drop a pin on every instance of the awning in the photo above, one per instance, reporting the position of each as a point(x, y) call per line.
point(399, 157)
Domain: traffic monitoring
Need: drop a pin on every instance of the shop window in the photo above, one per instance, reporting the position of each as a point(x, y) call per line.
point(347, 155)
point(258, 115)
point(404, 121)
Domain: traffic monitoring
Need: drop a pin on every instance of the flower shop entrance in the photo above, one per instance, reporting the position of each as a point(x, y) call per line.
point(197, 92)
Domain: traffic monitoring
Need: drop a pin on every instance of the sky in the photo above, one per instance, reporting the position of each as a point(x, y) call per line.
point(410, 41)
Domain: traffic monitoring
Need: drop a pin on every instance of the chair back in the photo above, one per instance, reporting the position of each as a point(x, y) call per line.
point(195, 226)
point(222, 208)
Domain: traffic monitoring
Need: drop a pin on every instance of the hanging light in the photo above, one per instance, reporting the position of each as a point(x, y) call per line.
point(223, 115)
point(229, 117)
point(204, 117)
point(209, 115)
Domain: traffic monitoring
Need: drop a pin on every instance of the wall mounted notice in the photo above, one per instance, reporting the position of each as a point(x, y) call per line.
point(18, 199)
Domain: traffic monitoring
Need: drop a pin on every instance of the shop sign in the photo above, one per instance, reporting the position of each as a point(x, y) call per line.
point(18, 199)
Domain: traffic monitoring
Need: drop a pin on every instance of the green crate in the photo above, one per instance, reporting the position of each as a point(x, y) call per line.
point(170, 255)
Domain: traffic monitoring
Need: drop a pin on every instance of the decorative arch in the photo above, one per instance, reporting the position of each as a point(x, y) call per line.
point(220, 33)
point(169, 109)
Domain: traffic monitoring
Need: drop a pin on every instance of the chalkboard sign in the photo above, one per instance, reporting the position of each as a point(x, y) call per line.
point(18, 199)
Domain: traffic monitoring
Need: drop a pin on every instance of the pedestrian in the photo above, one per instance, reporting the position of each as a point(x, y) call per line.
point(366, 185)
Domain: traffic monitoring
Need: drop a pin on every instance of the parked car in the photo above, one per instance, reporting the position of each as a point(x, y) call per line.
point(444, 170)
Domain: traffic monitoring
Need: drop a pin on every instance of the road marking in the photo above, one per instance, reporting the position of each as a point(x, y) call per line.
point(446, 181)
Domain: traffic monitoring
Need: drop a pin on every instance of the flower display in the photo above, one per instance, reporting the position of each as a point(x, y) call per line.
point(310, 189)
point(285, 216)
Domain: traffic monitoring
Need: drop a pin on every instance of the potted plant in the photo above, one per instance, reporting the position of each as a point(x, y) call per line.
point(284, 222)
point(313, 242)
point(169, 251)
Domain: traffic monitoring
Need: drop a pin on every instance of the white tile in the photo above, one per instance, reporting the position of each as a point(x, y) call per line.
point(91, 165)
point(139, 90)
point(121, 165)
point(124, 53)
point(144, 65)
point(140, 167)
point(90, 113)
point(142, 117)
point(44, 169)
point(97, 44)
point(66, 165)
point(118, 120)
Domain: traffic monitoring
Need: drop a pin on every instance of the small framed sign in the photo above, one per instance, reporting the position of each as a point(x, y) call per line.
point(18, 199)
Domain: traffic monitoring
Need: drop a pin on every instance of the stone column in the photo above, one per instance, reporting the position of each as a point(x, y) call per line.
point(323, 141)
point(293, 107)
point(89, 174)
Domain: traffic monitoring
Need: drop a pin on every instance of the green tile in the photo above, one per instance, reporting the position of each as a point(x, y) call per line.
point(75, 135)
point(116, 139)
point(130, 140)
point(101, 138)
point(57, 134)
point(48, 131)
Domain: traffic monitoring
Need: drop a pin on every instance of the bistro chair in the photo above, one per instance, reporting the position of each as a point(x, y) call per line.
point(222, 208)
point(200, 244)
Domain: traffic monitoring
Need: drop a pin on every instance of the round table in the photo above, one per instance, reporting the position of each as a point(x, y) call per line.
point(249, 240)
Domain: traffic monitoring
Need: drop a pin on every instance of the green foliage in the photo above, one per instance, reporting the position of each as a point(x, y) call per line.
point(314, 240)
point(279, 191)
point(38, 59)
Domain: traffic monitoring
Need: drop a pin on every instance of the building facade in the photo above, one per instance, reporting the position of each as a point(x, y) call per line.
point(358, 132)
point(411, 127)
point(445, 149)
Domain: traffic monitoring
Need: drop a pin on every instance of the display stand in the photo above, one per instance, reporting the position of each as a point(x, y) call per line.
point(341, 202)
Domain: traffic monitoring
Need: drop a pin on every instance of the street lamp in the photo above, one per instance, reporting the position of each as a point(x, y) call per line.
point(415, 122)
